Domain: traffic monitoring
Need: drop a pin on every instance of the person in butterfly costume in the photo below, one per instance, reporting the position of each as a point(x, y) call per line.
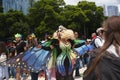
point(56, 56)
point(61, 63)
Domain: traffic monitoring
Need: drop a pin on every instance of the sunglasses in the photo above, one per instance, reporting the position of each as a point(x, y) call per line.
point(102, 31)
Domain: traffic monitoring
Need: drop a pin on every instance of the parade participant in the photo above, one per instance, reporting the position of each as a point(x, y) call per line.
point(34, 58)
point(79, 58)
point(20, 48)
point(55, 56)
point(32, 42)
point(20, 59)
point(11, 54)
point(62, 62)
point(105, 63)
point(20, 44)
point(3, 69)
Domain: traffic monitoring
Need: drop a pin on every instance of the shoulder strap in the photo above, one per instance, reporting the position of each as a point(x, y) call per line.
point(99, 38)
point(93, 43)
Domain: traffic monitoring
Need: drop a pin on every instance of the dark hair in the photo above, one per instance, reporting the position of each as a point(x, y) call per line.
point(112, 36)
point(2, 47)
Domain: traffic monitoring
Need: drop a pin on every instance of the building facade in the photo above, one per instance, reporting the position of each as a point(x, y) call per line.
point(111, 10)
point(20, 5)
point(110, 7)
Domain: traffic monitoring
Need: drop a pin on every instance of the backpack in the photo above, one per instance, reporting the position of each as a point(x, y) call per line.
point(93, 42)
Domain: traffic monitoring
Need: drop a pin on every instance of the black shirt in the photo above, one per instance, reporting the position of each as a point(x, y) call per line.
point(20, 47)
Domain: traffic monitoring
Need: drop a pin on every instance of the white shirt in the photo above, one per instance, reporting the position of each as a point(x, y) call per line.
point(112, 50)
point(99, 42)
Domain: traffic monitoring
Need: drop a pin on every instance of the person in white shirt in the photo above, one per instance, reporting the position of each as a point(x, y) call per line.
point(3, 69)
point(99, 41)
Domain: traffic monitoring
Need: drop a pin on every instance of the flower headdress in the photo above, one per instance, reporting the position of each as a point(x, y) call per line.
point(18, 35)
point(31, 36)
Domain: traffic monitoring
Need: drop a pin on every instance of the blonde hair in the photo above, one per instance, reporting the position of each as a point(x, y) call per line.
point(55, 36)
point(66, 34)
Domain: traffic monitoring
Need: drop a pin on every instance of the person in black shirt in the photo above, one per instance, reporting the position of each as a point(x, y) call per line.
point(20, 48)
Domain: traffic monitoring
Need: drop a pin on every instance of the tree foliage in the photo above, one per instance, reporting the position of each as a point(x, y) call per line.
point(13, 22)
point(94, 16)
point(46, 15)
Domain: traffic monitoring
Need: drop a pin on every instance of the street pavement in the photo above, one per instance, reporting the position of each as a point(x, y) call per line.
point(42, 78)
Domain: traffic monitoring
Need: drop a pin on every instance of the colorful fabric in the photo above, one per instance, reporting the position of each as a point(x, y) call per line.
point(83, 49)
point(36, 59)
point(66, 53)
point(78, 41)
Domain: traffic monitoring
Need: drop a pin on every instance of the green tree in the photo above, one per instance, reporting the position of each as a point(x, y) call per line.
point(20, 27)
point(75, 17)
point(15, 21)
point(44, 16)
point(1, 9)
point(94, 14)
point(2, 27)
